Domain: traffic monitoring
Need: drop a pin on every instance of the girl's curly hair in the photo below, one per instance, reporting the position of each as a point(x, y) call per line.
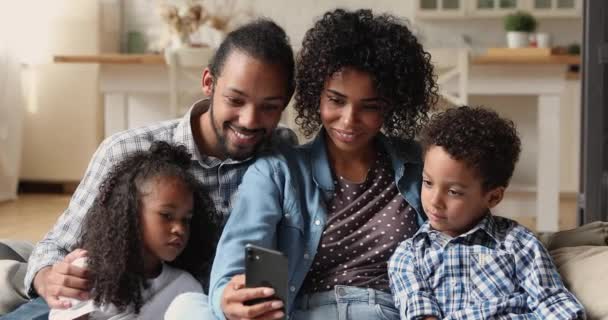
point(380, 45)
point(112, 232)
point(480, 138)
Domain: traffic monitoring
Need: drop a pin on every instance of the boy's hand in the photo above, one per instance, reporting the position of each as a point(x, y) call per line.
point(235, 295)
point(430, 318)
point(63, 279)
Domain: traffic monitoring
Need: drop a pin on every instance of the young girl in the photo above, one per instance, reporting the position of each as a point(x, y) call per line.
point(150, 222)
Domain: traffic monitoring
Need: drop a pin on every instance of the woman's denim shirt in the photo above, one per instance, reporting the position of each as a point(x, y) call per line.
point(280, 205)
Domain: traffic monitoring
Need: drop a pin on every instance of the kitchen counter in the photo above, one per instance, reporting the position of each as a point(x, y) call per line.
point(112, 58)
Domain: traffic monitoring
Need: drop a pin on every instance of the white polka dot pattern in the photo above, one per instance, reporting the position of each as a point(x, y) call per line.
point(365, 224)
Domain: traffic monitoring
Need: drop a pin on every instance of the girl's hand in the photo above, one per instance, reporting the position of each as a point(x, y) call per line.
point(235, 295)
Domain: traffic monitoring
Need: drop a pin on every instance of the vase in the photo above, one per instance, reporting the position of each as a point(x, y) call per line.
point(517, 39)
point(179, 40)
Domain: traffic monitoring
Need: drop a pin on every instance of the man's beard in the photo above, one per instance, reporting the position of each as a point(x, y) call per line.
point(223, 142)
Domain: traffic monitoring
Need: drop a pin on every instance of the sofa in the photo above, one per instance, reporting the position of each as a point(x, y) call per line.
point(581, 257)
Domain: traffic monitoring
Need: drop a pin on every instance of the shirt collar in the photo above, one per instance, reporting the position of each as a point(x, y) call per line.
point(486, 225)
point(399, 155)
point(184, 135)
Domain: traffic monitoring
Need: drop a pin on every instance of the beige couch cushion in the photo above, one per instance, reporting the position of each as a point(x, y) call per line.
point(584, 270)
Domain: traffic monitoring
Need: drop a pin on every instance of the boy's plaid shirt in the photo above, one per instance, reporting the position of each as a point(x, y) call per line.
point(497, 270)
point(220, 178)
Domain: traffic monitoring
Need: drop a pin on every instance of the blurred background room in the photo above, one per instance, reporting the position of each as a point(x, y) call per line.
point(74, 72)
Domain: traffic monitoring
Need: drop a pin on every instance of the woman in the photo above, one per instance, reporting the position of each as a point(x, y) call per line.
point(338, 206)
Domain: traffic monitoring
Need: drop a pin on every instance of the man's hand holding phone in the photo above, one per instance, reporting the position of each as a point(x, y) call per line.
point(236, 295)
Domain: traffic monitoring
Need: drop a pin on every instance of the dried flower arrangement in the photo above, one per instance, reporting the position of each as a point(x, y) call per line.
point(217, 17)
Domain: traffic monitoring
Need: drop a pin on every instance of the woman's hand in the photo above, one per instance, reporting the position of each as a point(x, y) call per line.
point(235, 295)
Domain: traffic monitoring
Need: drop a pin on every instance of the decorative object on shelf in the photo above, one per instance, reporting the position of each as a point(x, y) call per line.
point(196, 25)
point(543, 40)
point(519, 25)
point(182, 21)
point(574, 49)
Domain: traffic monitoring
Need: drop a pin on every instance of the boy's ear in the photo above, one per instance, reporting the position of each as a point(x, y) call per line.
point(495, 196)
point(207, 82)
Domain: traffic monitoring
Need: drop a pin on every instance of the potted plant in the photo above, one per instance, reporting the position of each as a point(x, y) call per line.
point(519, 25)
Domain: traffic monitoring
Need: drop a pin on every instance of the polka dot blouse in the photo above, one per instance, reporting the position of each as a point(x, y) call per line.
point(366, 222)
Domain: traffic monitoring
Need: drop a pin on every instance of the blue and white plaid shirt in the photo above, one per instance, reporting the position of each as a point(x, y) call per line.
point(497, 270)
point(220, 177)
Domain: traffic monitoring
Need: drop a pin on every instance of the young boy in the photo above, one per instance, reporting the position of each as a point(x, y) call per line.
point(464, 263)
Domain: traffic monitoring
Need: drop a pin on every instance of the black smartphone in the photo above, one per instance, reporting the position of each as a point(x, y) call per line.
point(266, 268)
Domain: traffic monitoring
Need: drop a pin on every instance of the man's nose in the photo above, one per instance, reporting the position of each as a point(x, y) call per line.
point(249, 117)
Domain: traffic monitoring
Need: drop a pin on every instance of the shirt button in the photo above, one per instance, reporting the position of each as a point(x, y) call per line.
point(292, 289)
point(306, 256)
point(341, 292)
point(286, 215)
point(317, 222)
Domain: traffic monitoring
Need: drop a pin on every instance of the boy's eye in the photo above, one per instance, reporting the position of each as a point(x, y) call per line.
point(233, 101)
point(165, 215)
point(454, 192)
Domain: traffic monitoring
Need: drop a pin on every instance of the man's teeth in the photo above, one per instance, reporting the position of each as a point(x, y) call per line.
point(242, 135)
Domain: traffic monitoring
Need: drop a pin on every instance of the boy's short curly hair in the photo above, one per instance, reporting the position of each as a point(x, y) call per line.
point(480, 137)
point(381, 45)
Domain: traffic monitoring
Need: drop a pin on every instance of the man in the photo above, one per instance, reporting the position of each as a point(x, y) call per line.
point(249, 82)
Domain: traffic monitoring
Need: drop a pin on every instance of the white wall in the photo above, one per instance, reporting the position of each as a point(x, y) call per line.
point(298, 16)
point(62, 125)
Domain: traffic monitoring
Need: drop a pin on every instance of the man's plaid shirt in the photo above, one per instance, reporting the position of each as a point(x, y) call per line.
point(221, 179)
point(497, 270)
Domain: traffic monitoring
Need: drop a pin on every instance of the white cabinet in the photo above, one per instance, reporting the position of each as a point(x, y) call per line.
point(449, 9)
point(492, 8)
point(555, 8)
point(440, 8)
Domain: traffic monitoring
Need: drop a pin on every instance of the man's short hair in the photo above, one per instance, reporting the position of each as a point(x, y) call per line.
point(261, 39)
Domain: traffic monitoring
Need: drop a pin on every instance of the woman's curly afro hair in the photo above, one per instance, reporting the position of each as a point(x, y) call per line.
point(112, 233)
point(481, 138)
point(380, 45)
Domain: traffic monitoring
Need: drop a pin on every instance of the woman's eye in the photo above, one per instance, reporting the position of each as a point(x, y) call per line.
point(426, 182)
point(336, 100)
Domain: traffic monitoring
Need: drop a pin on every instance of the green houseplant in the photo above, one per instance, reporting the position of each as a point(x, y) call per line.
point(519, 25)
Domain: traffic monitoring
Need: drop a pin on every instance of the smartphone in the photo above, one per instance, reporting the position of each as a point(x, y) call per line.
point(266, 268)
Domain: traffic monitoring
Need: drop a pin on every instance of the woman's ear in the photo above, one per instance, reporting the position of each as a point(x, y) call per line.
point(495, 196)
point(208, 82)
